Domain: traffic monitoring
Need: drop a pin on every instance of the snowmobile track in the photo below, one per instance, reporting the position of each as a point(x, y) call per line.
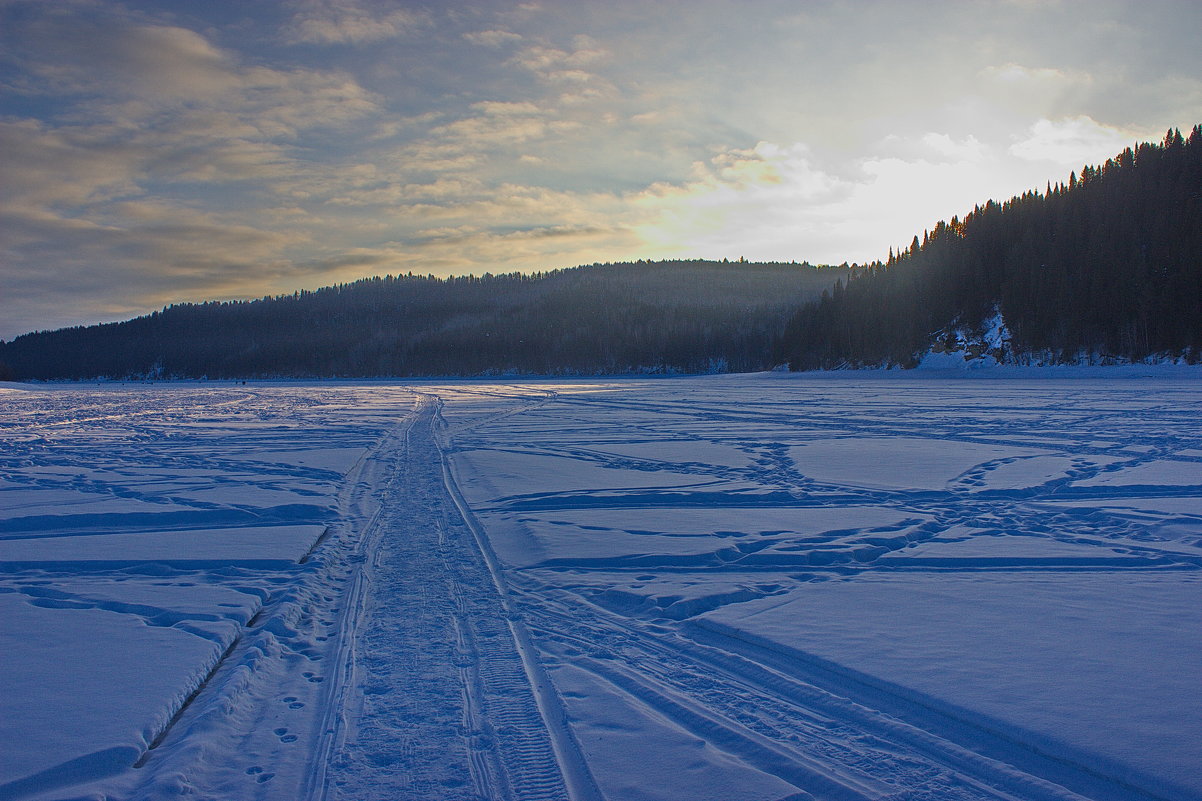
point(439, 701)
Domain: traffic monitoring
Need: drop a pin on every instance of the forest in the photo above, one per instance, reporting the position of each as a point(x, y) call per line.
point(1106, 266)
point(642, 317)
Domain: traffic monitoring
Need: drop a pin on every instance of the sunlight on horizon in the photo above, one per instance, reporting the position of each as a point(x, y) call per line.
point(774, 203)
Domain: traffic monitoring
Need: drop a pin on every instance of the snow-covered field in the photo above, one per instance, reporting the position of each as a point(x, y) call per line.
point(733, 588)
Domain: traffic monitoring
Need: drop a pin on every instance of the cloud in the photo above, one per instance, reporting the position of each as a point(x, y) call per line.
point(934, 147)
point(46, 167)
point(511, 207)
point(1012, 74)
point(462, 250)
point(1037, 91)
point(505, 109)
point(490, 139)
point(157, 255)
point(356, 258)
point(1071, 142)
point(491, 131)
point(779, 202)
point(112, 56)
point(554, 64)
point(492, 38)
point(113, 151)
point(398, 193)
point(349, 22)
point(969, 149)
point(153, 151)
point(126, 72)
point(160, 176)
point(744, 202)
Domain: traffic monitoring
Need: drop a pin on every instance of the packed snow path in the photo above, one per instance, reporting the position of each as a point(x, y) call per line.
point(744, 587)
point(438, 701)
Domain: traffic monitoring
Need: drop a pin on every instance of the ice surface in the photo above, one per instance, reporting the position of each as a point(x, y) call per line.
point(91, 675)
point(895, 462)
point(335, 460)
point(266, 547)
point(495, 476)
point(1097, 669)
point(679, 451)
point(858, 586)
point(141, 531)
point(1034, 471)
point(673, 536)
point(980, 549)
point(614, 730)
point(961, 552)
point(1161, 473)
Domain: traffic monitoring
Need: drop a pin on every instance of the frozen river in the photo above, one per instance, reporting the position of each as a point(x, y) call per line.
point(751, 588)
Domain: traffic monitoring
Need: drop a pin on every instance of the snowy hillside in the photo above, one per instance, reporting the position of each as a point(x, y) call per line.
point(840, 586)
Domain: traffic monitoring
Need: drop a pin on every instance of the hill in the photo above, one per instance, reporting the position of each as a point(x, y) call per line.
point(677, 316)
point(1107, 266)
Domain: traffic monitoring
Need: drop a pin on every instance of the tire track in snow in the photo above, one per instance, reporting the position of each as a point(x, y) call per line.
point(822, 743)
point(574, 770)
point(764, 716)
point(359, 504)
point(444, 707)
point(251, 730)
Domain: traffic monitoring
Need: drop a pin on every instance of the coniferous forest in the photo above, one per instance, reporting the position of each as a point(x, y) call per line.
point(687, 316)
point(1106, 265)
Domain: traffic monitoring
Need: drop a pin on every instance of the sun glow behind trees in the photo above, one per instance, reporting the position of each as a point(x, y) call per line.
point(1104, 265)
point(762, 202)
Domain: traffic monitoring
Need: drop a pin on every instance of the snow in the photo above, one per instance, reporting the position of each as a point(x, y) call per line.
point(613, 734)
point(1160, 473)
point(679, 451)
point(90, 681)
point(1015, 655)
point(677, 536)
point(141, 531)
point(975, 548)
point(899, 462)
point(499, 476)
point(981, 584)
point(965, 348)
point(267, 546)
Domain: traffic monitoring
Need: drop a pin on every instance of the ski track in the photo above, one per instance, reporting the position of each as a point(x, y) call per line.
point(419, 649)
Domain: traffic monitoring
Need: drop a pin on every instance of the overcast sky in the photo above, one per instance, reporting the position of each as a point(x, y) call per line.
point(156, 152)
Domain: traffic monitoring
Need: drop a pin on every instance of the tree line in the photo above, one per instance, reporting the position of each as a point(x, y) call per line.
point(1108, 264)
point(667, 316)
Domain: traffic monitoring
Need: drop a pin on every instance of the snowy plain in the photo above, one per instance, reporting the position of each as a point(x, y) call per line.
point(880, 585)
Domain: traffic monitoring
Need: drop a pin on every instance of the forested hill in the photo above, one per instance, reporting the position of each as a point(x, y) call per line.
point(685, 316)
point(1107, 265)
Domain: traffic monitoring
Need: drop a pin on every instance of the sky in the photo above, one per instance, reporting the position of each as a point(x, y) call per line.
point(156, 152)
